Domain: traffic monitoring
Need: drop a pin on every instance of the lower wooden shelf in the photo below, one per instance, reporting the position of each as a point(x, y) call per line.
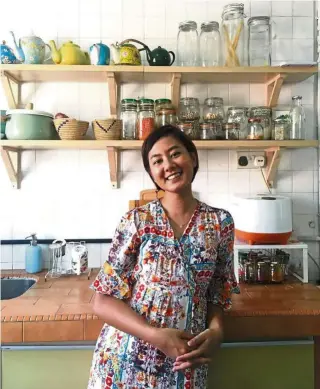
point(9, 148)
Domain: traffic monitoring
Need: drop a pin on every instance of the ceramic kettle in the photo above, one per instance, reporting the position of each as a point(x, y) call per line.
point(125, 54)
point(99, 54)
point(69, 54)
point(31, 49)
point(7, 55)
point(156, 57)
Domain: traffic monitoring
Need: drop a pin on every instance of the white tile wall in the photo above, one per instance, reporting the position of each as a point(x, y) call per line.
point(68, 194)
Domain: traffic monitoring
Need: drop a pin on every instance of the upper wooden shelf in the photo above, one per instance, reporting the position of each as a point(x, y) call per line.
point(136, 144)
point(124, 74)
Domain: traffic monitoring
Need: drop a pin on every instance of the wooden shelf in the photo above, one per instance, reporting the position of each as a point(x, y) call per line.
point(136, 144)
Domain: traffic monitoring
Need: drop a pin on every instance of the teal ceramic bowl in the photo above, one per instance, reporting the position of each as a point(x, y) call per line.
point(25, 124)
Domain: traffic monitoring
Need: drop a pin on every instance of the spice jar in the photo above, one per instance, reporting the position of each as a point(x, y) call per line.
point(264, 114)
point(129, 118)
point(239, 115)
point(145, 118)
point(263, 272)
point(191, 129)
point(207, 131)
point(231, 131)
point(213, 109)
point(189, 109)
point(281, 129)
point(276, 272)
point(255, 129)
point(165, 112)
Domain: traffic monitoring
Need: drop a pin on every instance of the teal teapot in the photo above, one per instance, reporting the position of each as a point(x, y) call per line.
point(31, 49)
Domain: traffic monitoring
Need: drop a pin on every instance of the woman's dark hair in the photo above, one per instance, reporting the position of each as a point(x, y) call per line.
point(162, 132)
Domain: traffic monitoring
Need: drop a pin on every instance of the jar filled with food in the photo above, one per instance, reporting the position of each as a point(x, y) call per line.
point(189, 109)
point(129, 117)
point(207, 131)
point(239, 115)
point(281, 128)
point(145, 118)
point(231, 131)
point(277, 272)
point(255, 129)
point(213, 110)
point(165, 112)
point(191, 129)
point(265, 116)
point(233, 34)
point(263, 272)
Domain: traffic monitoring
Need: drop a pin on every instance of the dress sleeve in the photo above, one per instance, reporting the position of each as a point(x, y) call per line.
point(223, 282)
point(115, 278)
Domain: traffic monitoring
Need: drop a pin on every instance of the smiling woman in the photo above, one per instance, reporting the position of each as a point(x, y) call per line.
point(166, 281)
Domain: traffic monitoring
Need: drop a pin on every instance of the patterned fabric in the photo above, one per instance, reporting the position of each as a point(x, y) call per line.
point(168, 281)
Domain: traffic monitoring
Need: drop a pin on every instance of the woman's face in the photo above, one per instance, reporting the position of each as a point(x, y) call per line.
point(171, 165)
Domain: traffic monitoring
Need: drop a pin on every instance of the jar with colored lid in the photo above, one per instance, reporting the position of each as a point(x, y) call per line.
point(146, 118)
point(165, 112)
point(129, 117)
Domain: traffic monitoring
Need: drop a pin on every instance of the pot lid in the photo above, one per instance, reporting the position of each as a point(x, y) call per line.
point(28, 112)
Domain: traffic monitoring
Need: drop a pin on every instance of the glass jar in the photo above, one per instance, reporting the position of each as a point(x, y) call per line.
point(277, 273)
point(213, 110)
point(263, 272)
point(298, 118)
point(281, 128)
point(129, 117)
point(187, 44)
point(207, 131)
point(191, 129)
point(259, 41)
point(145, 118)
point(233, 34)
point(231, 131)
point(239, 115)
point(265, 115)
point(210, 44)
point(165, 112)
point(189, 109)
point(255, 129)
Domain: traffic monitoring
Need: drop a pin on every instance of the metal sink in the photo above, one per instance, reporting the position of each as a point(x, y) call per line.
point(15, 287)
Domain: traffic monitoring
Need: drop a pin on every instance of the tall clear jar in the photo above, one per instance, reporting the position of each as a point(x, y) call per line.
point(213, 109)
point(129, 117)
point(146, 116)
point(259, 41)
point(239, 115)
point(189, 109)
point(187, 44)
point(265, 115)
point(233, 34)
point(298, 118)
point(165, 112)
point(210, 44)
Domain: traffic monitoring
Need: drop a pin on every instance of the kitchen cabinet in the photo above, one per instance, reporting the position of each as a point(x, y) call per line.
point(13, 76)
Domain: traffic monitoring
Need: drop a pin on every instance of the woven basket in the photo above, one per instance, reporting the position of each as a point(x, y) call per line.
point(71, 129)
point(107, 129)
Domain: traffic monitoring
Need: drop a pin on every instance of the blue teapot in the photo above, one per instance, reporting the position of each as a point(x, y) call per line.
point(7, 55)
point(99, 54)
point(31, 49)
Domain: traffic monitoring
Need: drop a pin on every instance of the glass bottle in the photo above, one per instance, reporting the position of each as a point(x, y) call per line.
point(259, 41)
point(210, 44)
point(145, 118)
point(129, 118)
point(298, 119)
point(233, 34)
point(187, 44)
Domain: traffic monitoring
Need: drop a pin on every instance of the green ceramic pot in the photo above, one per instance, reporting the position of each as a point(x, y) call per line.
point(25, 124)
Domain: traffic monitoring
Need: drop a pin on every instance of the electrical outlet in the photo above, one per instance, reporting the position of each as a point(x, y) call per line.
point(251, 159)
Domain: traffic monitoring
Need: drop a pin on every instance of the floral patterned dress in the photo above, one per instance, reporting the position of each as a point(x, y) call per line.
point(169, 282)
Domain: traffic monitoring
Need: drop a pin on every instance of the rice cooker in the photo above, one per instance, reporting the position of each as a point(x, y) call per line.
point(262, 219)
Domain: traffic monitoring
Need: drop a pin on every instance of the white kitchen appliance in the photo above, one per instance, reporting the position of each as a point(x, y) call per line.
point(262, 219)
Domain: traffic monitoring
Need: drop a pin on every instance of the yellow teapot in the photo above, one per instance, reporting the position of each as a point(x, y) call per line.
point(69, 54)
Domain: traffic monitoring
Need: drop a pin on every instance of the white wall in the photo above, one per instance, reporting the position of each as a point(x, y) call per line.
point(68, 193)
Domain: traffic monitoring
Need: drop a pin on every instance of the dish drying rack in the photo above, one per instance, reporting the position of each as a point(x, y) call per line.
point(61, 262)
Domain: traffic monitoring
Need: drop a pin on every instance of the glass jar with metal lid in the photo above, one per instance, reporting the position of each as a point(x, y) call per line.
point(165, 112)
point(239, 115)
point(259, 41)
point(213, 110)
point(255, 129)
point(207, 131)
point(145, 118)
point(233, 34)
point(129, 117)
point(189, 109)
point(265, 115)
point(210, 44)
point(231, 131)
point(281, 128)
point(187, 44)
point(191, 129)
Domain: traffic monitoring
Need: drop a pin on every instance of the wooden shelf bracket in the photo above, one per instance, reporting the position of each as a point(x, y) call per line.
point(273, 160)
point(273, 88)
point(113, 92)
point(175, 89)
point(11, 88)
point(114, 163)
point(13, 167)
